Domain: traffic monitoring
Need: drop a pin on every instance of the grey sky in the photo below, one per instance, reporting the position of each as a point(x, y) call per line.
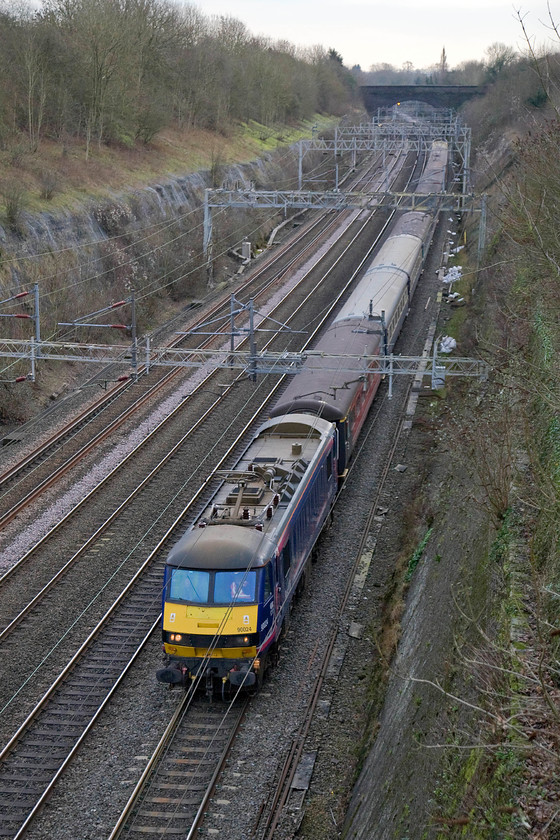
point(366, 32)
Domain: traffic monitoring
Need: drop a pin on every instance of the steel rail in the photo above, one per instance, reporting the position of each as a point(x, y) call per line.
point(128, 591)
point(91, 411)
point(114, 424)
point(106, 399)
point(157, 756)
point(161, 751)
point(265, 826)
point(114, 515)
point(17, 619)
point(145, 566)
point(179, 407)
point(9, 515)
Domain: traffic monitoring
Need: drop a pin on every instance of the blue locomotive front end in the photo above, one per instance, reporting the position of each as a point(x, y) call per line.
point(218, 605)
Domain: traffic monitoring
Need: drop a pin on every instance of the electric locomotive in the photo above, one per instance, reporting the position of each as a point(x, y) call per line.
point(231, 579)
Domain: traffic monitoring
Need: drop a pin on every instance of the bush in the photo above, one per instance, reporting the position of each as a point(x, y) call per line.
point(14, 200)
point(49, 184)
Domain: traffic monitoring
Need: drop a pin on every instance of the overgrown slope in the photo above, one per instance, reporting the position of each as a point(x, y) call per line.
point(500, 763)
point(129, 220)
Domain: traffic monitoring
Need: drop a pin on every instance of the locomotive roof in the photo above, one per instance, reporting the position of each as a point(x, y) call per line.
point(222, 547)
point(239, 527)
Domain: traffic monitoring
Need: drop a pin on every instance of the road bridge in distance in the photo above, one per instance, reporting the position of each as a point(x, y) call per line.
point(440, 96)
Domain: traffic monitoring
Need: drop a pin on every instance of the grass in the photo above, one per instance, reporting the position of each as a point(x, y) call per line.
point(110, 169)
point(417, 555)
point(474, 794)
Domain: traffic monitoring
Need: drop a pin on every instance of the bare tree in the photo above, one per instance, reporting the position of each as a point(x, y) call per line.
point(498, 57)
point(35, 69)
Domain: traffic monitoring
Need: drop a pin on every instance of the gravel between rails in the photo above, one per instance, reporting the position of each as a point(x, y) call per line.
point(260, 284)
point(69, 613)
point(138, 725)
point(95, 789)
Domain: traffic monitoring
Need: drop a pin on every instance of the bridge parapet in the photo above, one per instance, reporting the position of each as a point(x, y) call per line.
point(440, 96)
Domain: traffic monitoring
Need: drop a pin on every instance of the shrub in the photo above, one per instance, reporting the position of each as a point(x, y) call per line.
point(14, 200)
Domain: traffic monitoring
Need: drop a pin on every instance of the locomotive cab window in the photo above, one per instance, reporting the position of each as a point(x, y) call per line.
point(199, 587)
point(235, 586)
point(189, 585)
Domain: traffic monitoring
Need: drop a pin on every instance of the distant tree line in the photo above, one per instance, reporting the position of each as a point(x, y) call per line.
point(121, 70)
point(498, 58)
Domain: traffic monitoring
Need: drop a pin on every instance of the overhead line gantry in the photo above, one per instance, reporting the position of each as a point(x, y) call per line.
point(383, 134)
point(388, 136)
point(252, 361)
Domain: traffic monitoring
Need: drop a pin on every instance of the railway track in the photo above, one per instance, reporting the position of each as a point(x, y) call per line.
point(28, 750)
point(285, 799)
point(199, 409)
point(156, 805)
point(281, 811)
point(21, 593)
point(26, 480)
point(181, 776)
point(36, 755)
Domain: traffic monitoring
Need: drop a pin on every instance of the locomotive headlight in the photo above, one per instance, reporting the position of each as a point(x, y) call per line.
point(240, 641)
point(175, 637)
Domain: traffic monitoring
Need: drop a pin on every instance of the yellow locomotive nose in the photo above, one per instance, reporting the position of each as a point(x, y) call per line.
point(210, 620)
